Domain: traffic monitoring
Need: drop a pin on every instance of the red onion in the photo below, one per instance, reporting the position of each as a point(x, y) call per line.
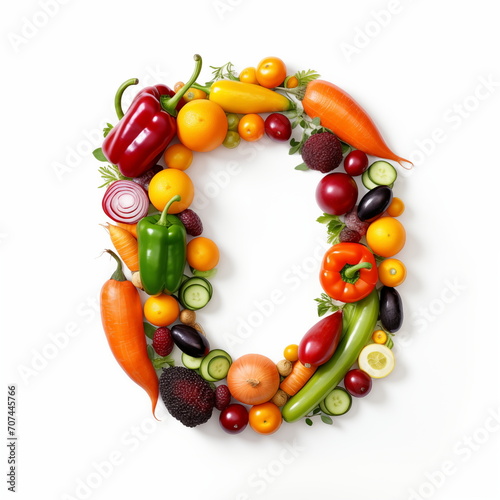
point(125, 201)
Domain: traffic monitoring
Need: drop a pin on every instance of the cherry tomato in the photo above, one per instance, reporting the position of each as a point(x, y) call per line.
point(291, 82)
point(379, 337)
point(265, 418)
point(337, 193)
point(291, 352)
point(271, 72)
point(396, 208)
point(391, 272)
point(251, 127)
point(248, 75)
point(357, 383)
point(234, 418)
point(356, 162)
point(278, 127)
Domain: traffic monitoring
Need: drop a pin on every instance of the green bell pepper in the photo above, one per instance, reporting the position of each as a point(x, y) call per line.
point(162, 251)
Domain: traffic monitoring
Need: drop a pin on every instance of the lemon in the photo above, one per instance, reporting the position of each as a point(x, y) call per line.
point(377, 360)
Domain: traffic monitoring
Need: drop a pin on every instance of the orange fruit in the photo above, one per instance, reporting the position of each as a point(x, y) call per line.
point(202, 254)
point(265, 418)
point(201, 125)
point(161, 310)
point(166, 184)
point(178, 156)
point(386, 236)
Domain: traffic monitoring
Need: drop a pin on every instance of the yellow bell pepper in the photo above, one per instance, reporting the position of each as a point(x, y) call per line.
point(243, 98)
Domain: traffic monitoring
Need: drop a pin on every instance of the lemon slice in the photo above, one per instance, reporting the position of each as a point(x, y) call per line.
point(376, 360)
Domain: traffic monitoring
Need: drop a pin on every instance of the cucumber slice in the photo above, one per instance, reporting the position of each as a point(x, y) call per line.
point(197, 281)
point(218, 367)
point(382, 173)
point(190, 362)
point(323, 408)
point(367, 182)
point(338, 401)
point(204, 274)
point(195, 297)
point(212, 371)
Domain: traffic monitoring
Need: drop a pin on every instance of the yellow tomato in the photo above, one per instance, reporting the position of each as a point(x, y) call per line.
point(251, 127)
point(202, 253)
point(379, 337)
point(271, 72)
point(166, 184)
point(291, 353)
point(386, 236)
point(265, 418)
point(391, 272)
point(161, 310)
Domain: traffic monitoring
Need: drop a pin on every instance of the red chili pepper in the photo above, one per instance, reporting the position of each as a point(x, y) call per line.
point(143, 133)
point(348, 272)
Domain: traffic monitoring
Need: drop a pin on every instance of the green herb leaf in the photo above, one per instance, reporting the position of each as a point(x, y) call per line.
point(334, 227)
point(304, 77)
point(309, 421)
point(316, 410)
point(111, 174)
point(326, 304)
point(99, 155)
point(326, 419)
point(151, 352)
point(107, 129)
point(159, 363)
point(346, 149)
point(225, 71)
point(149, 330)
point(302, 166)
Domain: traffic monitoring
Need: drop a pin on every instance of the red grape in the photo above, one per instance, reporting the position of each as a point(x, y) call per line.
point(234, 418)
point(278, 127)
point(357, 383)
point(356, 162)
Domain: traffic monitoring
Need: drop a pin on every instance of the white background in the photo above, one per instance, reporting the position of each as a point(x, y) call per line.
point(428, 73)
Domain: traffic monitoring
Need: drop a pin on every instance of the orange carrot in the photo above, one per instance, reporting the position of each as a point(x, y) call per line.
point(131, 228)
point(340, 113)
point(297, 379)
point(122, 320)
point(126, 246)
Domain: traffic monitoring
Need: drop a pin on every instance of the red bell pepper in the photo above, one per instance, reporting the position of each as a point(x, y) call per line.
point(143, 133)
point(348, 272)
